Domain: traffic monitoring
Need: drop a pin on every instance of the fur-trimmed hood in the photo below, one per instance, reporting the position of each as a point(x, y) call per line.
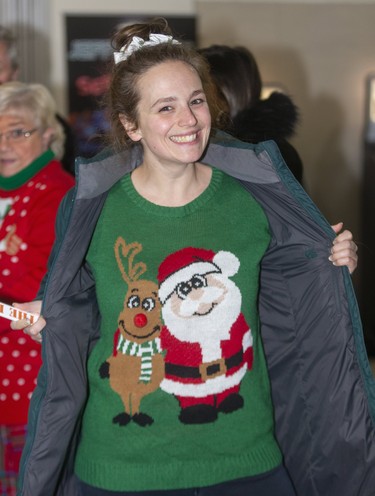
point(274, 118)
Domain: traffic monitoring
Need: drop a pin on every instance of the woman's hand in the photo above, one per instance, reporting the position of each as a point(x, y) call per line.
point(34, 330)
point(344, 250)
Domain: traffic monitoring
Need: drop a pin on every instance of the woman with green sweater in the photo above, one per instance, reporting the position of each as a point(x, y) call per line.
point(155, 380)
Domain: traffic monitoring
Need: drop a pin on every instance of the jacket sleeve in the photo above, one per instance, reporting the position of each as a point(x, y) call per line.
point(62, 221)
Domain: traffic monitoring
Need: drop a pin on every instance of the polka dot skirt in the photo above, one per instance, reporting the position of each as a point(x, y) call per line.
point(21, 357)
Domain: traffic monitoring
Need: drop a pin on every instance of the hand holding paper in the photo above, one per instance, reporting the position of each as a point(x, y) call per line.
point(31, 322)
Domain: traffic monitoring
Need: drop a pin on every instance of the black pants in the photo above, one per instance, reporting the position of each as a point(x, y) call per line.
point(273, 483)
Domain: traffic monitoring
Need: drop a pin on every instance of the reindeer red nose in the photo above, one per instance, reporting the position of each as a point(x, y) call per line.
point(140, 320)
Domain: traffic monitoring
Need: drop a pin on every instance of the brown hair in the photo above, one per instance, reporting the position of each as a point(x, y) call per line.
point(123, 95)
point(236, 74)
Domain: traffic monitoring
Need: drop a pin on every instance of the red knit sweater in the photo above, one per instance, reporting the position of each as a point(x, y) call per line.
point(28, 208)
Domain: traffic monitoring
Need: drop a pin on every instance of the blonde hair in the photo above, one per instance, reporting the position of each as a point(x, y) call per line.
point(38, 102)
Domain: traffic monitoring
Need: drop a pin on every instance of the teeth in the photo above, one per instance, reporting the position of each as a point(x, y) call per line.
point(184, 139)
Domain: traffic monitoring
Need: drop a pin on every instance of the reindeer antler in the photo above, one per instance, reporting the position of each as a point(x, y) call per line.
point(129, 251)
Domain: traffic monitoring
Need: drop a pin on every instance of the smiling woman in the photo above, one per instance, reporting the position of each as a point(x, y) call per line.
point(32, 184)
point(173, 125)
point(155, 379)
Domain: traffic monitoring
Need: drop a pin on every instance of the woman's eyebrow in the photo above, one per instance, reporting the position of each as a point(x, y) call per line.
point(173, 98)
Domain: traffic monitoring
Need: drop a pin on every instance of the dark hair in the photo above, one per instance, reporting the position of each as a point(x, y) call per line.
point(236, 74)
point(123, 95)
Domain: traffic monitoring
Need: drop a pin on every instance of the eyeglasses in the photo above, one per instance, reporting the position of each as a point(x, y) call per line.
point(17, 135)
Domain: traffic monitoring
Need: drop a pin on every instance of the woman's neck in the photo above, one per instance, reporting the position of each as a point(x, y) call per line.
point(171, 188)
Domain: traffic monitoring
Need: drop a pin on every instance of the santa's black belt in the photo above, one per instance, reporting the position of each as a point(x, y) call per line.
point(207, 370)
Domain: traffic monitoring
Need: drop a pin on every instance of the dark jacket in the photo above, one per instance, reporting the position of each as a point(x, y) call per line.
point(274, 118)
point(322, 385)
point(68, 159)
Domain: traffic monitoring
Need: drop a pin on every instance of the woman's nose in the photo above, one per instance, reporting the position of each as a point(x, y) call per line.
point(4, 141)
point(187, 117)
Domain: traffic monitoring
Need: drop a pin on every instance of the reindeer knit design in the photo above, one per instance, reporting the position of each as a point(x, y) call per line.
point(180, 287)
point(144, 350)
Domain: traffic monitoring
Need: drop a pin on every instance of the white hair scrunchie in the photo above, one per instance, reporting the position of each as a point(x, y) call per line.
point(137, 43)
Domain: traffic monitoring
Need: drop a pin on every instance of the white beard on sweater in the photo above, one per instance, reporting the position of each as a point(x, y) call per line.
point(206, 315)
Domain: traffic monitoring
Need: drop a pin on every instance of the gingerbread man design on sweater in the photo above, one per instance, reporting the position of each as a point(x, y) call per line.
point(136, 366)
point(207, 341)
point(10, 243)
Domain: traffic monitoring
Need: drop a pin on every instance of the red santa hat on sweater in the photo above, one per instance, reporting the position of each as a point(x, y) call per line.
point(182, 265)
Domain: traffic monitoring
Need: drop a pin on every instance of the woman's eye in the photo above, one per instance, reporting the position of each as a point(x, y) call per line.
point(197, 101)
point(167, 108)
point(16, 133)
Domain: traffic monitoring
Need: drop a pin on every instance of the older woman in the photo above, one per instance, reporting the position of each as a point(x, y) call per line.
point(32, 184)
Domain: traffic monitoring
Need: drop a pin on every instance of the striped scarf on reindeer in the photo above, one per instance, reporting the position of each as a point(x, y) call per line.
point(145, 351)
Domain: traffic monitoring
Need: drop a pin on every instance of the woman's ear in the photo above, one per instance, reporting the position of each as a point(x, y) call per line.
point(47, 137)
point(131, 129)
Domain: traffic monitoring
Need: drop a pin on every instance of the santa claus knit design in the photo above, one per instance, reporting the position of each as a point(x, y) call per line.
point(28, 208)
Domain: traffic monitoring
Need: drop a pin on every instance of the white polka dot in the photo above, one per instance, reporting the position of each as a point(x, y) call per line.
point(21, 381)
point(3, 397)
point(23, 213)
point(27, 367)
point(38, 185)
point(21, 340)
point(16, 198)
point(30, 183)
point(8, 228)
point(26, 199)
point(1, 284)
point(16, 396)
point(5, 382)
point(6, 272)
point(14, 259)
point(33, 353)
point(35, 381)
point(1, 354)
point(5, 340)
point(23, 246)
point(11, 211)
point(10, 367)
point(16, 353)
point(29, 396)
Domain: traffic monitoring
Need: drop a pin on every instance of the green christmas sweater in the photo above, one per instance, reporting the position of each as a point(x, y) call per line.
point(179, 392)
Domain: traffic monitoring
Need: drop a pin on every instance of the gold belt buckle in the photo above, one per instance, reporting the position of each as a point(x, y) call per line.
point(209, 370)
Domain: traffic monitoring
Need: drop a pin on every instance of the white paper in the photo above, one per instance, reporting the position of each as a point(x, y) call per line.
point(13, 313)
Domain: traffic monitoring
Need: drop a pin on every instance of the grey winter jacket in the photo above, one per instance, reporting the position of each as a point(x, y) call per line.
point(322, 385)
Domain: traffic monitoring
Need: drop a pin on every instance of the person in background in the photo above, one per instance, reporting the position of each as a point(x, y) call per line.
point(251, 118)
point(9, 71)
point(32, 184)
point(154, 380)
